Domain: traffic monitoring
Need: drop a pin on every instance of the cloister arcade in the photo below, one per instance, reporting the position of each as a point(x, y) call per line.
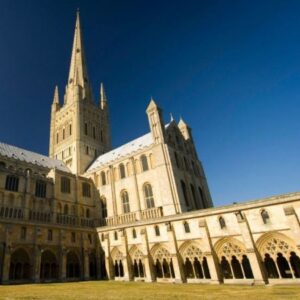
point(137, 263)
point(280, 256)
point(274, 256)
point(233, 260)
point(27, 264)
point(194, 262)
point(49, 266)
point(163, 263)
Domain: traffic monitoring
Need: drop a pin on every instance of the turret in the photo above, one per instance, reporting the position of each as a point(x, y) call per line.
point(156, 122)
point(54, 108)
point(185, 129)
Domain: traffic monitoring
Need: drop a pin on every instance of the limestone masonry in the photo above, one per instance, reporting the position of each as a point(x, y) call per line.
point(142, 211)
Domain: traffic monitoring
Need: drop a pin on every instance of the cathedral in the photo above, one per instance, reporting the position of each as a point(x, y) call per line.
point(139, 212)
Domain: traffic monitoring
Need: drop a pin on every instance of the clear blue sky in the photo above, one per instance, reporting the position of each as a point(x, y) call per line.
point(230, 68)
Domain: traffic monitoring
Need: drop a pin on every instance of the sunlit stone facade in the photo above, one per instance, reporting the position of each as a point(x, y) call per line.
point(142, 211)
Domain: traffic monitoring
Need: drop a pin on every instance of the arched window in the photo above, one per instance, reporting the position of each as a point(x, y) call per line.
point(103, 178)
point(125, 202)
point(70, 129)
point(236, 267)
point(222, 222)
point(177, 160)
point(134, 233)
point(87, 213)
point(148, 193)
point(186, 164)
point(107, 177)
point(247, 267)
point(63, 134)
point(295, 263)
point(122, 171)
point(202, 198)
point(194, 196)
point(225, 267)
point(157, 231)
point(186, 227)
point(103, 207)
point(270, 267)
point(194, 169)
point(144, 162)
point(116, 235)
point(184, 192)
point(265, 216)
point(239, 215)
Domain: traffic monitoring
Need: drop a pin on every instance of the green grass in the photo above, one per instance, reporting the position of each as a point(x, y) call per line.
point(131, 290)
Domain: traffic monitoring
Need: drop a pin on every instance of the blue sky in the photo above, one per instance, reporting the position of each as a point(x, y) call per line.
point(230, 68)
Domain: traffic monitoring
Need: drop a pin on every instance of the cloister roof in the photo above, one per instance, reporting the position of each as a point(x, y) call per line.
point(31, 157)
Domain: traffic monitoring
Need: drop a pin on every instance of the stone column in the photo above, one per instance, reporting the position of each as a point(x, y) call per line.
point(256, 270)
point(150, 277)
point(108, 266)
point(37, 264)
point(99, 274)
point(63, 265)
point(6, 265)
point(178, 278)
point(86, 265)
point(148, 270)
point(175, 252)
point(126, 269)
point(212, 268)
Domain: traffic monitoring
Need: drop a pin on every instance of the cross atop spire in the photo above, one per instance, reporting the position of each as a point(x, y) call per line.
point(78, 70)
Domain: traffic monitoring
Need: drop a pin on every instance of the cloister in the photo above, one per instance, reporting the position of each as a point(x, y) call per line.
point(275, 258)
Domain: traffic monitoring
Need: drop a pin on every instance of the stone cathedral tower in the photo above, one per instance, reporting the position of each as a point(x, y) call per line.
point(79, 129)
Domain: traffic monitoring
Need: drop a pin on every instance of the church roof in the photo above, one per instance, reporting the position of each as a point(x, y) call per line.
point(31, 157)
point(122, 151)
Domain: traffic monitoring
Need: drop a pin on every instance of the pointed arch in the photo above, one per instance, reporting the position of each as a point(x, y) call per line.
point(280, 255)
point(233, 259)
point(163, 263)
point(116, 254)
point(194, 262)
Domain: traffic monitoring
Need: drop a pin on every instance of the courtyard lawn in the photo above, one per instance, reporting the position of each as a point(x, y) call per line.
point(132, 290)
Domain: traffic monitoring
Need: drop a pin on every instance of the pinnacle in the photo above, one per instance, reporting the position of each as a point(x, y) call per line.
point(56, 96)
point(103, 98)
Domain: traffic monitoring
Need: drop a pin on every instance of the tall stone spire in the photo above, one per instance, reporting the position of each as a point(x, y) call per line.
point(78, 70)
point(85, 124)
